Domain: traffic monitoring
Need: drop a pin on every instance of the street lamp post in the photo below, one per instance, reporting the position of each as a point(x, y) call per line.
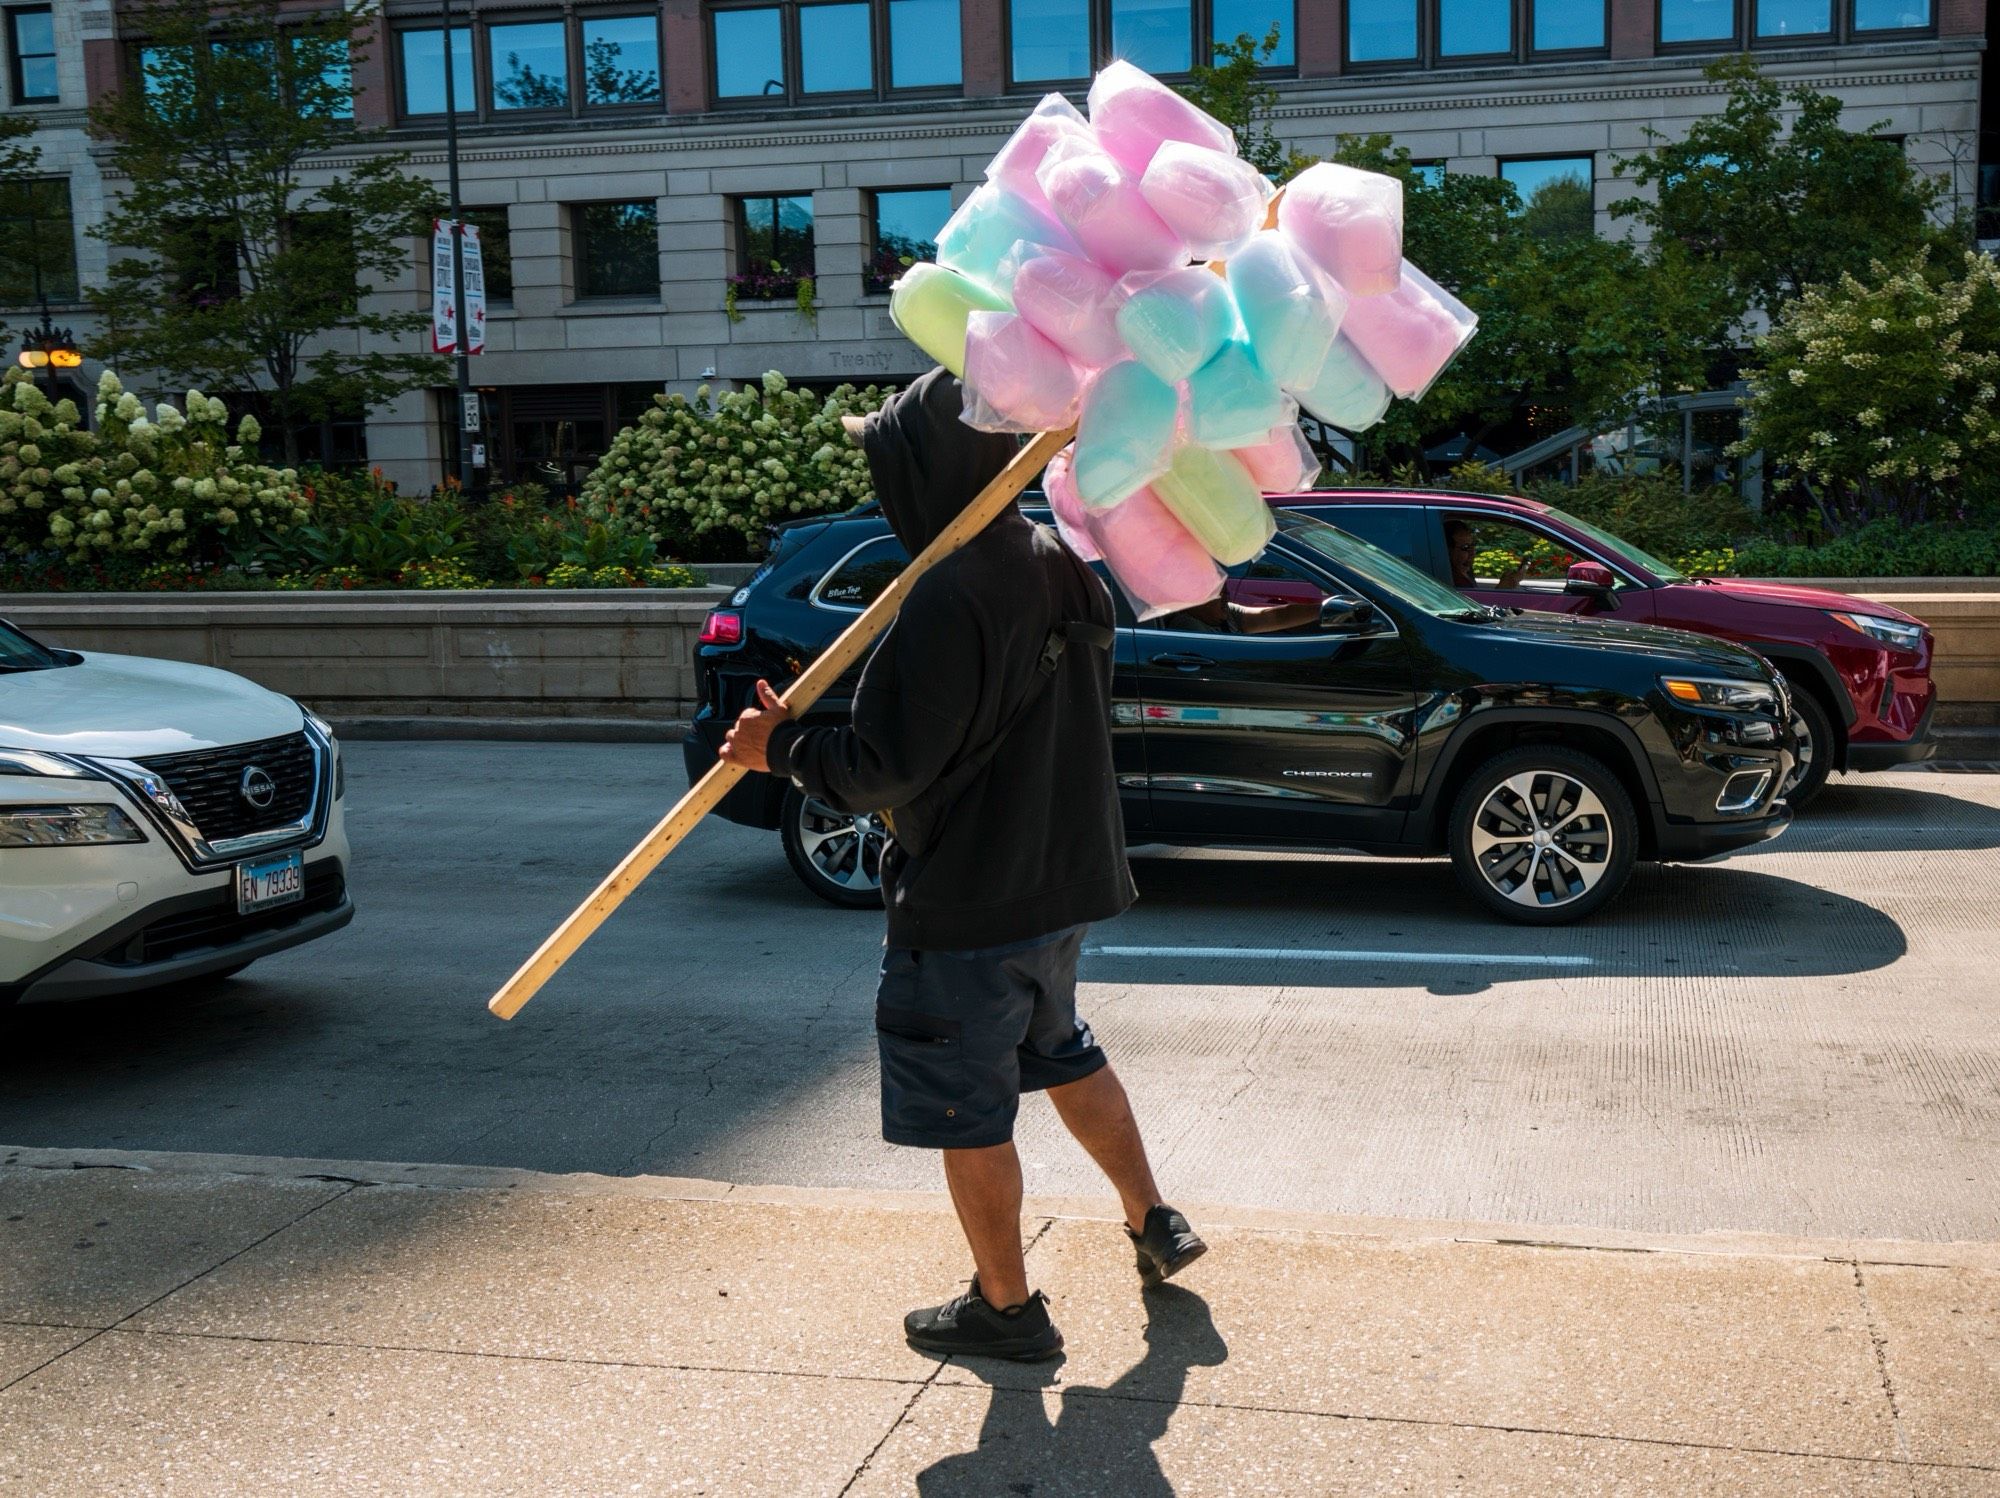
point(457, 255)
point(49, 348)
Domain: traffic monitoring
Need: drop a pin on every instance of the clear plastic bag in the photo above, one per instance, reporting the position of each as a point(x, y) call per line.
point(1348, 393)
point(1014, 166)
point(1072, 519)
point(1412, 334)
point(1175, 321)
point(1213, 495)
point(1101, 205)
point(1125, 436)
point(1283, 463)
point(930, 305)
point(1349, 223)
point(1213, 200)
point(1071, 302)
point(1231, 402)
point(1160, 566)
point(978, 240)
point(1133, 114)
point(1291, 311)
point(1015, 379)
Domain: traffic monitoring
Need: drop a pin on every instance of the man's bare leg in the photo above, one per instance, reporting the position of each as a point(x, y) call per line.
point(986, 1191)
point(1099, 1115)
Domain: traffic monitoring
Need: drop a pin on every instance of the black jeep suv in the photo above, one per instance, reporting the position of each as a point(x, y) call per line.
point(1543, 753)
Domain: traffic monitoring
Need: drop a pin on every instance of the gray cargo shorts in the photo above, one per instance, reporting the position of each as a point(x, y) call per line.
point(963, 1034)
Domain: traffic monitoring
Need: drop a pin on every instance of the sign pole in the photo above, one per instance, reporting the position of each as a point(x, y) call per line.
point(462, 333)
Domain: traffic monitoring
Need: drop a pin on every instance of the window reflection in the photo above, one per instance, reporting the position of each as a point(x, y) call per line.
point(1697, 21)
point(1781, 18)
point(423, 71)
point(1051, 40)
point(906, 227)
point(1568, 25)
point(1152, 34)
point(1470, 27)
point(528, 65)
point(923, 43)
point(749, 54)
point(835, 52)
point(621, 60)
point(1254, 19)
point(1892, 15)
point(1381, 30)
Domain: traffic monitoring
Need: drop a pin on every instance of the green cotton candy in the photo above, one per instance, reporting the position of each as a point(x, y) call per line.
point(931, 304)
point(1214, 496)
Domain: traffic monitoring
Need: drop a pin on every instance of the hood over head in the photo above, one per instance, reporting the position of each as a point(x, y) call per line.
point(927, 464)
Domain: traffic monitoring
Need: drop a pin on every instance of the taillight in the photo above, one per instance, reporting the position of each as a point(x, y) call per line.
point(722, 628)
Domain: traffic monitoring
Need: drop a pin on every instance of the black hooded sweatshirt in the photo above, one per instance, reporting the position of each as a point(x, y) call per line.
point(1033, 842)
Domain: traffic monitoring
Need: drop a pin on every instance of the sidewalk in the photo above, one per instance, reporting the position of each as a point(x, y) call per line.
point(221, 1325)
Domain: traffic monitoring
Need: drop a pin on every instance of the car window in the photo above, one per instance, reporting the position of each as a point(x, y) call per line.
point(1378, 570)
point(19, 653)
point(859, 577)
point(1619, 547)
point(1271, 595)
point(1397, 530)
point(1485, 550)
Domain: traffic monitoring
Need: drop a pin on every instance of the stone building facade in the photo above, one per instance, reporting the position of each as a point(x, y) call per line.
point(633, 160)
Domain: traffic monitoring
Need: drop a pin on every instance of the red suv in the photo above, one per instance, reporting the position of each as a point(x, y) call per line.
point(1860, 671)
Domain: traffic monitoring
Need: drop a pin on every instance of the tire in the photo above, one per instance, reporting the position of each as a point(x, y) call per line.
point(1816, 744)
point(837, 856)
point(1566, 878)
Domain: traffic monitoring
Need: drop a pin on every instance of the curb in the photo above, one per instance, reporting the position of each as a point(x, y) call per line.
point(1982, 1257)
point(515, 730)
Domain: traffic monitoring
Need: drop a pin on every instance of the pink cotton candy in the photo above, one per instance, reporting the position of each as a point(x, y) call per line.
point(1015, 379)
point(1156, 560)
point(1132, 113)
point(1100, 203)
point(1213, 200)
point(1410, 335)
point(1349, 223)
point(1015, 164)
point(1070, 302)
point(1283, 463)
point(1072, 519)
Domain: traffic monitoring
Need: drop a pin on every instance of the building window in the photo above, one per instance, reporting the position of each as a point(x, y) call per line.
point(617, 249)
point(495, 250)
point(1475, 28)
point(31, 54)
point(1792, 20)
point(1063, 41)
point(1892, 15)
point(528, 66)
point(750, 53)
point(422, 57)
point(1695, 21)
point(774, 247)
point(181, 79)
point(1567, 25)
point(923, 44)
point(906, 227)
point(1557, 194)
point(1431, 173)
point(37, 242)
point(1381, 31)
point(207, 264)
point(836, 49)
point(621, 60)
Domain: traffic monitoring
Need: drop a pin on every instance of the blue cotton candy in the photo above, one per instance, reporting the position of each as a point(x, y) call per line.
point(1175, 321)
point(977, 240)
point(1348, 392)
point(1125, 437)
point(1290, 313)
point(1232, 402)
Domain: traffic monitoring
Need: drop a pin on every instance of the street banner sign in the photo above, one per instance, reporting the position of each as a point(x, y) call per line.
point(444, 289)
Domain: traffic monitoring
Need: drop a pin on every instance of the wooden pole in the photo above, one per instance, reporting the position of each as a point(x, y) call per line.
point(707, 793)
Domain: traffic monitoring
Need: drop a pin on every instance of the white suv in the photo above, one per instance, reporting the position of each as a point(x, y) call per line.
point(158, 822)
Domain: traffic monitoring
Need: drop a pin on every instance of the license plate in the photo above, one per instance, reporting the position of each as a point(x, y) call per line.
point(270, 882)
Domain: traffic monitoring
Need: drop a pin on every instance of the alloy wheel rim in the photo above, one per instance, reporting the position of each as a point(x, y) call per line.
point(1542, 839)
point(1802, 757)
point(844, 848)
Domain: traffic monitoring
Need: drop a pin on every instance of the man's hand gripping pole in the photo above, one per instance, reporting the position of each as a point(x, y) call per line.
point(707, 793)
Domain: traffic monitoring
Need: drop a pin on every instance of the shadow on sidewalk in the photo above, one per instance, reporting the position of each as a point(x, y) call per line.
point(1101, 1440)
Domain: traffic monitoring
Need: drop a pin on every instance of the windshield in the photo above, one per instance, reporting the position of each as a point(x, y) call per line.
point(19, 653)
point(1619, 547)
point(1372, 564)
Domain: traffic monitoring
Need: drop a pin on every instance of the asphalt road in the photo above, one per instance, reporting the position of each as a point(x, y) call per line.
point(1801, 1040)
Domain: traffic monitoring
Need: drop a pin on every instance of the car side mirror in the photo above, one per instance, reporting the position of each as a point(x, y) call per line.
point(1592, 580)
point(1340, 614)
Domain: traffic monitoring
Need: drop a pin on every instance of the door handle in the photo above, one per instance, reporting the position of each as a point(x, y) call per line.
point(1182, 662)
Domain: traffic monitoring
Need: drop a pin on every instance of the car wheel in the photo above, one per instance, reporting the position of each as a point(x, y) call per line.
point(838, 854)
point(1543, 835)
point(1815, 752)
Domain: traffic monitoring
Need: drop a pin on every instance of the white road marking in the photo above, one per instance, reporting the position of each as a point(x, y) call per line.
point(1348, 954)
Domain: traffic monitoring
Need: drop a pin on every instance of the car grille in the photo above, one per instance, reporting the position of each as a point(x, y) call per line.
point(216, 924)
point(209, 783)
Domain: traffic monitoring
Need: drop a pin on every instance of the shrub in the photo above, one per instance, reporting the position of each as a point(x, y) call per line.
point(172, 485)
point(733, 465)
point(1879, 398)
point(1885, 548)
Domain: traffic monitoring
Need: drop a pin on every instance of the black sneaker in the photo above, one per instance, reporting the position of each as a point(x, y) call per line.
point(1167, 1246)
point(970, 1326)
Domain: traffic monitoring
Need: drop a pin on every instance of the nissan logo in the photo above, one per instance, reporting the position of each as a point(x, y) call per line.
point(258, 788)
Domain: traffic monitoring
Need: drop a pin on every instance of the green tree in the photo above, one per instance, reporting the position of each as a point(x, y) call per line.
point(1234, 90)
point(1770, 211)
point(1560, 209)
point(230, 270)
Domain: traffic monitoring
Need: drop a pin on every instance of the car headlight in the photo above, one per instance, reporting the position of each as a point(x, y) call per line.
point(37, 762)
point(1734, 696)
point(1891, 632)
point(65, 826)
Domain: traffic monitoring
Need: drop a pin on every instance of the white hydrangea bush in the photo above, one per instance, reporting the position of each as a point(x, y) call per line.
point(1879, 398)
point(740, 461)
point(168, 486)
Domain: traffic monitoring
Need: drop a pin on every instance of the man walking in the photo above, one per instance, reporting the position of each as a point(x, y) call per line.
point(981, 724)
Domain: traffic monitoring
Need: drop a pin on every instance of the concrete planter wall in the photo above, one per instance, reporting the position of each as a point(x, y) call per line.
point(626, 656)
